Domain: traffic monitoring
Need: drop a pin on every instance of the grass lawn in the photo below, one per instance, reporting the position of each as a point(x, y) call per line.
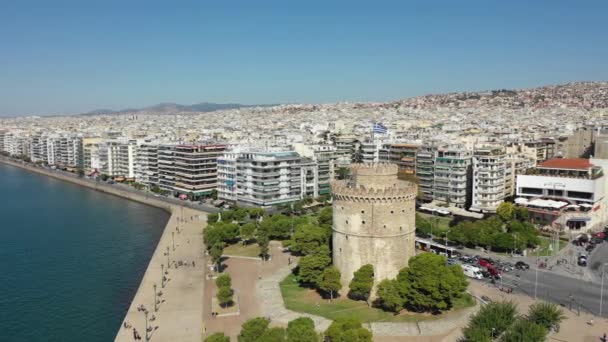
point(238, 249)
point(440, 223)
point(543, 247)
point(305, 300)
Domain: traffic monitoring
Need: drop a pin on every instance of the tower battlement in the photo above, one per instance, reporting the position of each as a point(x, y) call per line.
point(402, 191)
point(374, 169)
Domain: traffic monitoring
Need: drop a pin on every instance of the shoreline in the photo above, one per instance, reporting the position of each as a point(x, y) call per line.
point(185, 286)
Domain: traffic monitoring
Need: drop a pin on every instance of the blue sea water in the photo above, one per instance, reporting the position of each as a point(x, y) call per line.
point(71, 258)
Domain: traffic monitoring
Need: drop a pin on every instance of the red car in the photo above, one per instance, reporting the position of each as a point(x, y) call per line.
point(484, 263)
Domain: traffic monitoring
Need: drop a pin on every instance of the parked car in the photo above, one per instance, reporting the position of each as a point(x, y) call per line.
point(520, 265)
point(484, 262)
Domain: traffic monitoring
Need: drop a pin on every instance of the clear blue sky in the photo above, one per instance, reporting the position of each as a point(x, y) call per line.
point(75, 56)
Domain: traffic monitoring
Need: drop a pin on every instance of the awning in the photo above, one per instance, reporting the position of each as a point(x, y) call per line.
point(585, 205)
point(574, 206)
point(521, 200)
point(547, 203)
point(579, 219)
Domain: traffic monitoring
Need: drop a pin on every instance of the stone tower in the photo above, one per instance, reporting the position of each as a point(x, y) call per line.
point(373, 222)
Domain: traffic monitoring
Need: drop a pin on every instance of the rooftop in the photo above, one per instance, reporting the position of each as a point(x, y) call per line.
point(566, 163)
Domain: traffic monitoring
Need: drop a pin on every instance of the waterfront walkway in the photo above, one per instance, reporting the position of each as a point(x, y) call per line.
point(179, 310)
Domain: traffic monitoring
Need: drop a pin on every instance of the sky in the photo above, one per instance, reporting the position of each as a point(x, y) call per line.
point(66, 57)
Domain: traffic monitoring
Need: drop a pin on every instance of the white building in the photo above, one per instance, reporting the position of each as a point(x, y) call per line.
point(490, 172)
point(567, 193)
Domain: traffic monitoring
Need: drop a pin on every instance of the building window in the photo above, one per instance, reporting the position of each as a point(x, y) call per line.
point(384, 226)
point(346, 221)
point(362, 222)
point(392, 212)
point(362, 211)
point(401, 228)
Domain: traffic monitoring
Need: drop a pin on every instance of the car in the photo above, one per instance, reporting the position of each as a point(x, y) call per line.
point(485, 262)
point(520, 265)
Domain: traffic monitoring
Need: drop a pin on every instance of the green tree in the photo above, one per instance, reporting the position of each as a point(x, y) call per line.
point(325, 216)
point(216, 252)
point(389, 295)
point(256, 213)
point(547, 315)
point(525, 331)
point(218, 337)
point(505, 211)
point(308, 238)
point(498, 316)
point(430, 284)
point(362, 283)
point(104, 177)
point(310, 267)
point(347, 330)
point(264, 244)
point(240, 214)
point(212, 217)
point(273, 335)
point(330, 282)
point(223, 280)
point(342, 173)
point(302, 330)
point(227, 216)
point(252, 329)
point(248, 231)
point(224, 296)
point(277, 226)
point(522, 213)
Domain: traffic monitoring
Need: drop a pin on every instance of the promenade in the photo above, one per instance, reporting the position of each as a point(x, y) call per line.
point(179, 311)
point(178, 315)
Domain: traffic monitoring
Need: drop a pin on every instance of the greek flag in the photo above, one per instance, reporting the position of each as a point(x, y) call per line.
point(380, 128)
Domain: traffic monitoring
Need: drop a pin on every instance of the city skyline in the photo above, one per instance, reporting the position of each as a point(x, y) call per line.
point(74, 58)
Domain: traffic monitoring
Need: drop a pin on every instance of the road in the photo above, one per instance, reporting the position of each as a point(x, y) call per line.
point(566, 291)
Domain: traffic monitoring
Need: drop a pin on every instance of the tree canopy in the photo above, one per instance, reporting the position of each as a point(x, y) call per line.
point(308, 238)
point(223, 280)
point(302, 329)
point(311, 267)
point(252, 329)
point(427, 284)
point(347, 330)
point(362, 283)
point(330, 281)
point(218, 337)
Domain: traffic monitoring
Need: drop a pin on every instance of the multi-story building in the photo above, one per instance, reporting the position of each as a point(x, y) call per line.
point(268, 178)
point(403, 155)
point(226, 177)
point(91, 158)
point(425, 171)
point(369, 151)
point(189, 170)
point(146, 163)
point(566, 193)
point(325, 157)
point(452, 176)
point(67, 151)
point(309, 180)
point(490, 171)
point(346, 149)
point(117, 158)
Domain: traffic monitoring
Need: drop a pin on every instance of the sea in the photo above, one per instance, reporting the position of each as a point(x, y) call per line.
point(71, 258)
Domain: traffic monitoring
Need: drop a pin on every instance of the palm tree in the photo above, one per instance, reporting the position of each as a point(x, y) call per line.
point(548, 315)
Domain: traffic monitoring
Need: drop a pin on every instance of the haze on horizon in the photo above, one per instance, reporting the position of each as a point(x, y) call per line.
point(69, 57)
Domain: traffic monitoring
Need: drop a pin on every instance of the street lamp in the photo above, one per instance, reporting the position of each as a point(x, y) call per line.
point(173, 239)
point(155, 308)
point(602, 289)
point(168, 263)
point(162, 275)
point(146, 314)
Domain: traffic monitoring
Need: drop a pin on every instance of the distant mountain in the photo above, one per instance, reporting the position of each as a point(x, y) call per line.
point(171, 108)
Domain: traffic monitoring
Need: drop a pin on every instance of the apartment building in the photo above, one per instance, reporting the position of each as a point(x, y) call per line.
point(117, 158)
point(346, 149)
point(369, 151)
point(403, 155)
point(268, 178)
point(425, 171)
point(91, 157)
point(189, 170)
point(325, 158)
point(146, 163)
point(490, 174)
point(452, 176)
point(226, 177)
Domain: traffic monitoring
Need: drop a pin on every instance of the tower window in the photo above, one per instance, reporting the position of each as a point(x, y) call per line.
point(362, 211)
point(384, 226)
point(346, 221)
point(392, 212)
point(401, 228)
point(340, 249)
point(362, 222)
